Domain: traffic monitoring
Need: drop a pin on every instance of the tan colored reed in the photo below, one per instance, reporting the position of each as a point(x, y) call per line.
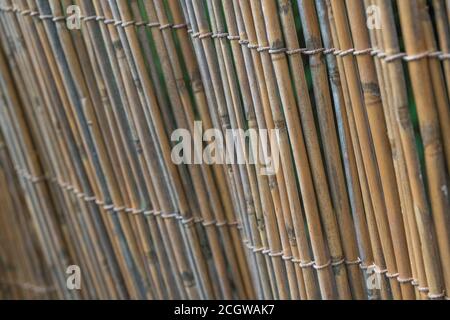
point(355, 211)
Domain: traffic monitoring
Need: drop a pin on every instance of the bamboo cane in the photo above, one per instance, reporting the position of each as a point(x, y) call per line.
point(131, 141)
point(429, 123)
point(412, 239)
point(248, 80)
point(442, 99)
point(380, 208)
point(312, 142)
point(401, 123)
point(121, 12)
point(350, 165)
point(41, 191)
point(322, 263)
point(332, 154)
point(237, 121)
point(443, 30)
point(55, 160)
point(89, 103)
point(72, 92)
point(155, 234)
point(379, 134)
point(198, 24)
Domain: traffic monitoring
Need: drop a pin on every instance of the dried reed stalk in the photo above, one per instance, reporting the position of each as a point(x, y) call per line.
point(87, 116)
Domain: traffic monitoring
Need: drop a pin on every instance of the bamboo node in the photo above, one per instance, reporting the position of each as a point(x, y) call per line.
point(119, 209)
point(109, 21)
point(288, 258)
point(117, 23)
point(423, 289)
point(34, 13)
point(100, 18)
point(244, 43)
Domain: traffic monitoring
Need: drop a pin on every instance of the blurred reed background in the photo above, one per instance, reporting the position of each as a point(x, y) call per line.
point(358, 91)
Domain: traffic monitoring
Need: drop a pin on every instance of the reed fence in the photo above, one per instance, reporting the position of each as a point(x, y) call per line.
point(357, 91)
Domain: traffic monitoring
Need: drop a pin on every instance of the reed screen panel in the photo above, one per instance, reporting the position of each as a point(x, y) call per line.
point(224, 149)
